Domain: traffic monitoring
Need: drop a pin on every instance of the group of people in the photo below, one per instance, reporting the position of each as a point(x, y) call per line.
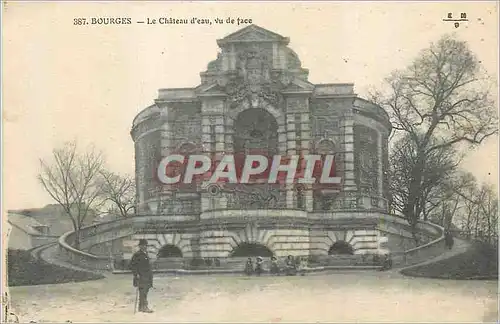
point(143, 274)
point(292, 266)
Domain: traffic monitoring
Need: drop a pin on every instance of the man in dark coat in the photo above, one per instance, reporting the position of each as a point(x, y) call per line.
point(143, 275)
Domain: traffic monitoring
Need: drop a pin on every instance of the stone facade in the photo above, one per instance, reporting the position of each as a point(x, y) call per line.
point(256, 95)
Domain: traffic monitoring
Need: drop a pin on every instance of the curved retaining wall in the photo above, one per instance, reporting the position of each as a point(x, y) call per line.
point(426, 251)
point(96, 234)
point(105, 232)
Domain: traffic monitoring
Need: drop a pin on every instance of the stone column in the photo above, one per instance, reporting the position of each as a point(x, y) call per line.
point(226, 59)
point(208, 142)
point(220, 148)
point(305, 136)
point(290, 150)
point(380, 164)
point(167, 144)
point(276, 57)
point(213, 140)
point(282, 135)
point(232, 58)
point(282, 140)
point(229, 135)
point(347, 128)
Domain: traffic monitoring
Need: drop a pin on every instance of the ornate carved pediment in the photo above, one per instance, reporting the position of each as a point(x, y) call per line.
point(253, 33)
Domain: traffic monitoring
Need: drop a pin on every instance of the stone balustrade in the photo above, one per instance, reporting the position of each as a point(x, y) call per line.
point(248, 214)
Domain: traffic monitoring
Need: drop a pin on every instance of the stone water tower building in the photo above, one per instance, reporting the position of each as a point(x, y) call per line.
point(256, 95)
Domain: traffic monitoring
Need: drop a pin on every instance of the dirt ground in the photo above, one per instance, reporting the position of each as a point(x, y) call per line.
point(337, 297)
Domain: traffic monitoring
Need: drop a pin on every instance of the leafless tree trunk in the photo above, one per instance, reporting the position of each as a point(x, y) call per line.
point(72, 180)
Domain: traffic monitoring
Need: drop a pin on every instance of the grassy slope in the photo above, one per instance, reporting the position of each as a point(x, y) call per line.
point(24, 269)
point(479, 262)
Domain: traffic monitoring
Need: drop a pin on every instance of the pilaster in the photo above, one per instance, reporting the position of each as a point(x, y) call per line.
point(347, 128)
point(380, 165)
point(214, 143)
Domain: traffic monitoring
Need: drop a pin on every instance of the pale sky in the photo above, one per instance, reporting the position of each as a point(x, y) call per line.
point(64, 82)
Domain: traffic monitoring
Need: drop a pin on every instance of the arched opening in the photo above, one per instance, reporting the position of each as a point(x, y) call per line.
point(251, 250)
point(169, 251)
point(340, 247)
point(325, 146)
point(255, 130)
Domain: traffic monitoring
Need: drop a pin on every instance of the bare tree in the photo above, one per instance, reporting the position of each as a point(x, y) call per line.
point(480, 219)
point(448, 201)
point(440, 166)
point(488, 202)
point(120, 191)
point(472, 207)
point(438, 101)
point(72, 180)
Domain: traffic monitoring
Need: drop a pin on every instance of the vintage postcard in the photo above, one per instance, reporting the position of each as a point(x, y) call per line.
point(250, 162)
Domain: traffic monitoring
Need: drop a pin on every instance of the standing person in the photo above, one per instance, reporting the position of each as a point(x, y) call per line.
point(275, 269)
point(249, 267)
point(143, 275)
point(290, 266)
point(302, 266)
point(258, 266)
point(386, 262)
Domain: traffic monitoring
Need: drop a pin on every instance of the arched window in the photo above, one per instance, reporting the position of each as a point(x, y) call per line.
point(325, 146)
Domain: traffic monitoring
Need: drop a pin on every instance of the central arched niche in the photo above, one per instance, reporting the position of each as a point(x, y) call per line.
point(255, 130)
point(341, 247)
point(169, 251)
point(251, 250)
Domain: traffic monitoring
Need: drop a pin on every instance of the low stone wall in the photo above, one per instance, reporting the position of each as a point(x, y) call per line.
point(103, 232)
point(39, 240)
point(81, 259)
point(90, 235)
point(424, 252)
point(343, 260)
